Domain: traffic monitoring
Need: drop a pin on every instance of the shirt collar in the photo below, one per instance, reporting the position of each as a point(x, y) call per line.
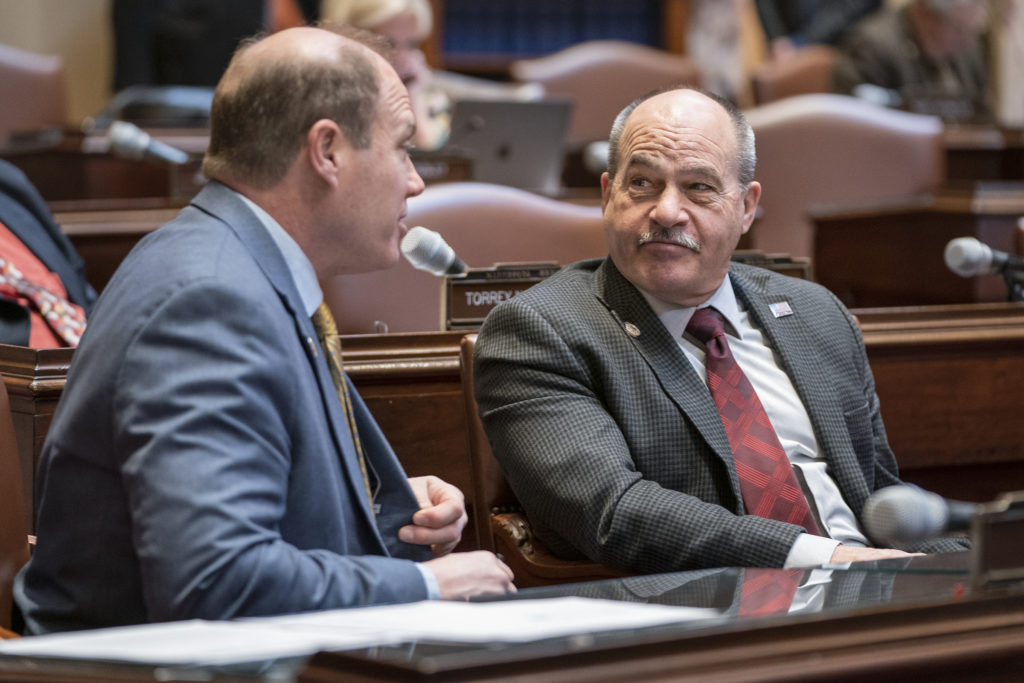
point(298, 263)
point(675, 318)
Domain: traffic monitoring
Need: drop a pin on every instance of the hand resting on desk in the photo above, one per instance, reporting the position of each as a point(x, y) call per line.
point(849, 553)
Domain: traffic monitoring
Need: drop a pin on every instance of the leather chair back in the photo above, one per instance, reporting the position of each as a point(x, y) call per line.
point(501, 524)
point(820, 148)
point(484, 224)
point(14, 548)
point(601, 77)
point(808, 70)
point(33, 92)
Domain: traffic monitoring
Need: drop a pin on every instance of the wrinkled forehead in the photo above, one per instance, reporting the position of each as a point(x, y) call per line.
point(680, 125)
point(394, 101)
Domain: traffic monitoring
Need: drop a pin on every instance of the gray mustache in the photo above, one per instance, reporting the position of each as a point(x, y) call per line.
point(669, 235)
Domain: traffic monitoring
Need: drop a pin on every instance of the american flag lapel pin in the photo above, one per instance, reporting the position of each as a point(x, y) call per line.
point(780, 309)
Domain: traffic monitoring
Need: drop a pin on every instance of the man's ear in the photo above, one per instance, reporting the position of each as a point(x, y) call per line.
point(606, 189)
point(327, 149)
point(750, 200)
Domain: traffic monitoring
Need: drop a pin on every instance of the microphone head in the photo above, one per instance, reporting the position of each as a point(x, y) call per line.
point(904, 514)
point(131, 142)
point(968, 257)
point(427, 250)
point(127, 140)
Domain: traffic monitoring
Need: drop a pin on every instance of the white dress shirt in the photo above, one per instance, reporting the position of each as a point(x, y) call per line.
point(785, 411)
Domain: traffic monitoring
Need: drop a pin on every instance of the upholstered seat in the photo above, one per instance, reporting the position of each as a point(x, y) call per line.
point(601, 77)
point(34, 92)
point(484, 224)
point(808, 70)
point(501, 525)
point(819, 148)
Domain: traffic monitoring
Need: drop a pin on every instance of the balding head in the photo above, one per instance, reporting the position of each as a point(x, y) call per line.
point(275, 89)
point(746, 154)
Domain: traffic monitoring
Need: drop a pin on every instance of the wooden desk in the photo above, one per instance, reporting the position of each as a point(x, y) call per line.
point(77, 166)
point(983, 153)
point(890, 253)
point(949, 379)
point(876, 622)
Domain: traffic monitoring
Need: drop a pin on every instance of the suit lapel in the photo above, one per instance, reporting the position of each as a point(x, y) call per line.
point(795, 344)
point(670, 368)
point(216, 200)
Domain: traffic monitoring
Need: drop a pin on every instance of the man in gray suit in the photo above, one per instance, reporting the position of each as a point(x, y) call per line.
point(593, 393)
point(200, 463)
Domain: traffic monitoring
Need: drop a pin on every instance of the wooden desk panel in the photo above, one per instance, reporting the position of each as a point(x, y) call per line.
point(890, 253)
point(949, 380)
point(983, 153)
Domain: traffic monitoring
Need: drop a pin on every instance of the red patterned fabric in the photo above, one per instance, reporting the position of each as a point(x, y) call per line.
point(768, 591)
point(767, 481)
point(24, 278)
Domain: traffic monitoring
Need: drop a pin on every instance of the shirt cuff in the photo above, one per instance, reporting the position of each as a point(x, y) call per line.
point(810, 551)
point(433, 590)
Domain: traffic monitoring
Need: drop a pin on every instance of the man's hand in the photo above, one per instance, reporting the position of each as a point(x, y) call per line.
point(463, 575)
point(849, 553)
point(441, 518)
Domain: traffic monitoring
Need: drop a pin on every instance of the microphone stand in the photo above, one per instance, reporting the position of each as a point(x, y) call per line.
point(1014, 284)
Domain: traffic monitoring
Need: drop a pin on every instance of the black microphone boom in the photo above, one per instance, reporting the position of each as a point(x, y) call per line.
point(427, 250)
point(908, 514)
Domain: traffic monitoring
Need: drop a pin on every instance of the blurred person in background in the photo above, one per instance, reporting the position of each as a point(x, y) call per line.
point(792, 24)
point(406, 24)
point(928, 56)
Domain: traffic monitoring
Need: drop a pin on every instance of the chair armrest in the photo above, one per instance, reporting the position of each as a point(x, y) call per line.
point(532, 563)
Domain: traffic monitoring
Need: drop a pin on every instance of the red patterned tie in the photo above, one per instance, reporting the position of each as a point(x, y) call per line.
point(67, 321)
point(768, 591)
point(767, 480)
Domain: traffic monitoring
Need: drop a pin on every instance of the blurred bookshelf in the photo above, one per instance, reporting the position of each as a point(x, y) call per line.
point(483, 36)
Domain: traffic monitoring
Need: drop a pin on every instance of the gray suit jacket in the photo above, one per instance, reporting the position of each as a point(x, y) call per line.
point(612, 443)
point(199, 463)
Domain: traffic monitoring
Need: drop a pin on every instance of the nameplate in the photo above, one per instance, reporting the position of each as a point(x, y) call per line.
point(467, 299)
point(997, 553)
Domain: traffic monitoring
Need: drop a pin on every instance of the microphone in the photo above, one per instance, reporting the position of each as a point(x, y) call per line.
point(131, 142)
point(427, 250)
point(907, 513)
point(968, 257)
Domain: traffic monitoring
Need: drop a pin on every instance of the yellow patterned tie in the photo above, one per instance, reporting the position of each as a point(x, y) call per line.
point(330, 342)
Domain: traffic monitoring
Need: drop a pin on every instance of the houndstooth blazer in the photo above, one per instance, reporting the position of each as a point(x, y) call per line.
point(612, 443)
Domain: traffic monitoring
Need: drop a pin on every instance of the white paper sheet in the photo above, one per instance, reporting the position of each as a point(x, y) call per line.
point(196, 643)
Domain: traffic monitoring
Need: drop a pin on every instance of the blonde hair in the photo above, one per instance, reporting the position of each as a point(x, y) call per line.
point(369, 14)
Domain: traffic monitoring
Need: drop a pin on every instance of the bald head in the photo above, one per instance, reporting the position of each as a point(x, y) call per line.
point(677, 104)
point(276, 88)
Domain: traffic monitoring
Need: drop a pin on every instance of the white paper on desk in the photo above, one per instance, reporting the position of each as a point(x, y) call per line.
point(198, 643)
point(502, 621)
point(188, 643)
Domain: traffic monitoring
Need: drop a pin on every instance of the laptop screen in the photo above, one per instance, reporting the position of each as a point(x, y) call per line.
point(512, 142)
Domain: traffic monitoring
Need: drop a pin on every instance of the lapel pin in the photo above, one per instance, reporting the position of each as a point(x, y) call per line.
point(780, 309)
point(632, 330)
point(312, 346)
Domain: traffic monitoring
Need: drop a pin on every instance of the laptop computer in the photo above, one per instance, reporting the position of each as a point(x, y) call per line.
point(512, 142)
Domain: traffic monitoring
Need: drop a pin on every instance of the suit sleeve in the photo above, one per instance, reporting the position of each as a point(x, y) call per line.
point(554, 419)
point(206, 422)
